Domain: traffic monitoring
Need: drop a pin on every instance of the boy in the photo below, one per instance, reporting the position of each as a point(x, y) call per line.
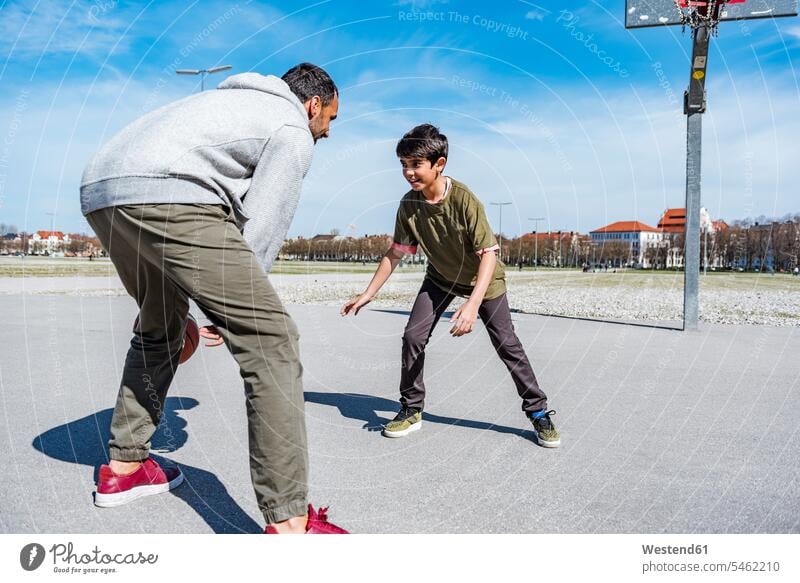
point(443, 217)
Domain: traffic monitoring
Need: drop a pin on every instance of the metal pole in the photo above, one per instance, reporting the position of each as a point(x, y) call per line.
point(501, 233)
point(501, 205)
point(536, 240)
point(694, 107)
point(559, 249)
point(691, 274)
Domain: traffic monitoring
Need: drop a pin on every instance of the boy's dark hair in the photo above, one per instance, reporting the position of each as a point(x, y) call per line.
point(425, 141)
point(307, 80)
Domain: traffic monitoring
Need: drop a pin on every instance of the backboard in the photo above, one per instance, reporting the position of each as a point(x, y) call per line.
point(648, 13)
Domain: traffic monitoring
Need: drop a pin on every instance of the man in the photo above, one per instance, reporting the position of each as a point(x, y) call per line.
point(194, 200)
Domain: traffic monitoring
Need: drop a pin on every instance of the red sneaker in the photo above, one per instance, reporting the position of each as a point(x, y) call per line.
point(317, 523)
point(114, 490)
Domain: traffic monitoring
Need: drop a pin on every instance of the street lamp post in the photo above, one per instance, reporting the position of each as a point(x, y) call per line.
point(202, 73)
point(501, 205)
point(536, 240)
point(52, 228)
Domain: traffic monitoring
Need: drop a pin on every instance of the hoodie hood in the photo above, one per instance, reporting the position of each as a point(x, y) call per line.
point(265, 83)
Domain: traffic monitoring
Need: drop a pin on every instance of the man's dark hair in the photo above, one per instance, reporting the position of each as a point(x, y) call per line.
point(425, 141)
point(307, 80)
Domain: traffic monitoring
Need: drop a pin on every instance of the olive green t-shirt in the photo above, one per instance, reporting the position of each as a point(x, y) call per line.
point(453, 233)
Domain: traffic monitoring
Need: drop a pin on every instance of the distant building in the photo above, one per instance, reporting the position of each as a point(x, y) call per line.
point(638, 237)
point(11, 243)
point(322, 238)
point(543, 237)
point(81, 245)
point(762, 235)
point(673, 224)
point(720, 225)
point(673, 221)
point(47, 242)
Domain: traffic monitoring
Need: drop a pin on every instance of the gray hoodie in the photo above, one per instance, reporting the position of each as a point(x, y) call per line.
point(246, 145)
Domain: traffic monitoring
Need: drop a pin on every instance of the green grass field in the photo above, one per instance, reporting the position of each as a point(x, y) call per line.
point(641, 279)
point(54, 267)
point(316, 267)
point(72, 266)
point(633, 279)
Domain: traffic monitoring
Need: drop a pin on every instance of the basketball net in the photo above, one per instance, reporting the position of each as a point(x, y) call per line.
point(697, 13)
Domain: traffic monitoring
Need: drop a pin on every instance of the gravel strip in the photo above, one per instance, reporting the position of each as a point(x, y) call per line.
point(578, 296)
point(637, 296)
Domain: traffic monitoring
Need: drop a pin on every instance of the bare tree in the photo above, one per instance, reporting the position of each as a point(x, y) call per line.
point(614, 253)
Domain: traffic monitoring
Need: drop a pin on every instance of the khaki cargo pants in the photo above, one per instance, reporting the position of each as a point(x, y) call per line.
point(166, 254)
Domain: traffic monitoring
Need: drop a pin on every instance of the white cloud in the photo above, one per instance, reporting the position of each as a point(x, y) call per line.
point(535, 15)
point(583, 163)
point(32, 28)
point(580, 159)
point(793, 31)
point(60, 128)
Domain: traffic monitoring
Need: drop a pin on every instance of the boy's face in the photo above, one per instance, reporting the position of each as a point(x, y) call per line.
point(420, 173)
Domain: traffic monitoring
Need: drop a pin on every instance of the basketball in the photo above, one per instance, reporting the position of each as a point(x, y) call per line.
point(191, 337)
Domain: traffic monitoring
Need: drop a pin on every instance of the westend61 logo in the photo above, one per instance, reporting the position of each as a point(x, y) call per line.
point(66, 560)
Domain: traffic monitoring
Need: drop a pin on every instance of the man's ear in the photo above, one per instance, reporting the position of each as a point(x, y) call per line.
point(441, 163)
point(314, 106)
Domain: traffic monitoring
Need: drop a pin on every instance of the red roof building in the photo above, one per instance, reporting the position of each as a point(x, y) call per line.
point(627, 227)
point(673, 221)
point(636, 236)
point(550, 235)
point(47, 234)
point(47, 242)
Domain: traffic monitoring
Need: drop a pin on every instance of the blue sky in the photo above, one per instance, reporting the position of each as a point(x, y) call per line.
point(561, 111)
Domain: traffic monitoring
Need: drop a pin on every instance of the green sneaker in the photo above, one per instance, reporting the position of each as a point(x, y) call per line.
point(545, 431)
point(407, 421)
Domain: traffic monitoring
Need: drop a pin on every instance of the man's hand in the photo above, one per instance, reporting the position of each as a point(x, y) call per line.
point(212, 335)
point(464, 319)
point(355, 305)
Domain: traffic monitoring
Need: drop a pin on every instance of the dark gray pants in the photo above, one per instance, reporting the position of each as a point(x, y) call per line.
point(166, 254)
point(429, 306)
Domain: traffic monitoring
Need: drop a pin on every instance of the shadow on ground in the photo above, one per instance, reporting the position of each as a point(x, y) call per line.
point(85, 441)
point(447, 315)
point(364, 408)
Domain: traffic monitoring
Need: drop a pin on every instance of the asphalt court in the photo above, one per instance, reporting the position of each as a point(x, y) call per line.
point(662, 431)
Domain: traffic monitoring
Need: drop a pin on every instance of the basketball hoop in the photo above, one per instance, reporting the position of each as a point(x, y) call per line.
point(697, 13)
point(703, 16)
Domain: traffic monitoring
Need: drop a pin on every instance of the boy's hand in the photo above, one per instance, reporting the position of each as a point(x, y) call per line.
point(212, 335)
point(355, 305)
point(464, 319)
